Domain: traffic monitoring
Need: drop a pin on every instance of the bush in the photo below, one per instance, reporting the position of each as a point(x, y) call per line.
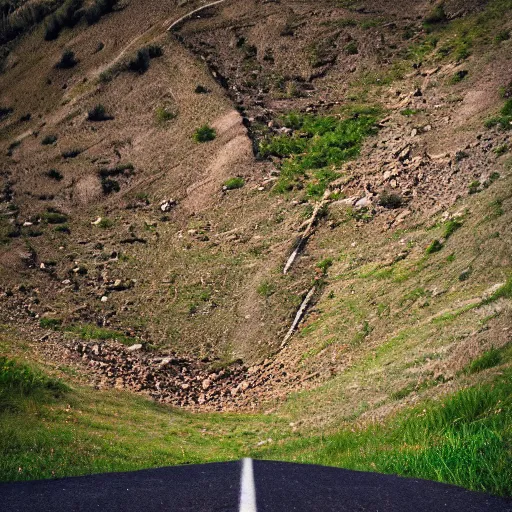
point(163, 115)
point(459, 76)
point(55, 217)
point(67, 60)
point(71, 153)
point(435, 246)
point(98, 9)
point(117, 170)
point(234, 183)
point(391, 201)
point(200, 89)
point(68, 15)
point(49, 139)
point(105, 223)
point(140, 62)
point(98, 113)
point(351, 48)
point(63, 228)
point(437, 15)
point(204, 134)
point(504, 121)
point(4, 112)
point(324, 265)
point(54, 174)
point(108, 186)
point(50, 323)
point(450, 228)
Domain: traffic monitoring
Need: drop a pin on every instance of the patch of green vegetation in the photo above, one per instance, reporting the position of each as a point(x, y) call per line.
point(502, 35)
point(316, 147)
point(93, 332)
point(67, 60)
point(501, 150)
point(164, 115)
point(324, 265)
point(109, 185)
point(391, 200)
point(503, 292)
point(234, 183)
point(437, 15)
point(105, 223)
point(204, 134)
point(62, 228)
point(71, 153)
point(450, 227)
point(54, 217)
point(474, 187)
point(459, 76)
point(361, 334)
point(504, 120)
point(435, 246)
point(136, 63)
point(49, 139)
point(19, 382)
point(351, 48)
point(266, 289)
point(124, 169)
point(50, 323)
point(98, 113)
point(464, 440)
point(68, 15)
point(488, 359)
point(410, 112)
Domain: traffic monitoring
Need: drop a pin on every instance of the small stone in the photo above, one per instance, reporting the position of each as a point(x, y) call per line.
point(414, 132)
point(104, 298)
point(206, 383)
point(97, 221)
point(134, 348)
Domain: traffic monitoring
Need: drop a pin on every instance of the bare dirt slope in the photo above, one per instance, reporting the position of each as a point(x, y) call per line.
point(137, 236)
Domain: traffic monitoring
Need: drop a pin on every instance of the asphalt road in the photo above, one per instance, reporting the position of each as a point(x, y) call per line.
point(244, 486)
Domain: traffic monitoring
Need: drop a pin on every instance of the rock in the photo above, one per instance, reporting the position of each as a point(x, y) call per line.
point(167, 205)
point(364, 202)
point(97, 221)
point(414, 132)
point(206, 383)
point(134, 348)
point(104, 298)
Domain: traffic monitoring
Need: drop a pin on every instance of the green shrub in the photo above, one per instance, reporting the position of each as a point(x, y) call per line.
point(50, 323)
point(127, 168)
point(266, 289)
point(501, 150)
point(436, 16)
point(324, 265)
point(108, 186)
point(200, 89)
point(163, 115)
point(54, 174)
point(459, 76)
point(204, 134)
point(351, 48)
point(487, 360)
point(435, 246)
point(503, 121)
point(474, 187)
point(49, 139)
point(140, 62)
point(71, 153)
point(68, 15)
point(67, 60)
point(98, 113)
point(105, 223)
point(234, 183)
point(450, 227)
point(502, 35)
point(98, 9)
point(54, 217)
point(63, 228)
point(4, 112)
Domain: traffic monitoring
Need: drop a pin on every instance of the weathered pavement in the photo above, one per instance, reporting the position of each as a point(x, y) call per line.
point(243, 486)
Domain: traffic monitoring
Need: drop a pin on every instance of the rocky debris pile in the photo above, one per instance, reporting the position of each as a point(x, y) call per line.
point(176, 380)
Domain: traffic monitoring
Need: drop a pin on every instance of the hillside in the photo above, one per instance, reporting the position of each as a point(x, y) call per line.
point(294, 211)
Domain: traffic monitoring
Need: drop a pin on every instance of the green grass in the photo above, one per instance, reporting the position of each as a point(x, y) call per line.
point(435, 246)
point(504, 120)
point(93, 332)
point(204, 134)
point(465, 440)
point(234, 183)
point(488, 359)
point(319, 144)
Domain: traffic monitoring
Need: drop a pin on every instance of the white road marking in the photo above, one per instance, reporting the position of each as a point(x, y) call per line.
point(247, 488)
